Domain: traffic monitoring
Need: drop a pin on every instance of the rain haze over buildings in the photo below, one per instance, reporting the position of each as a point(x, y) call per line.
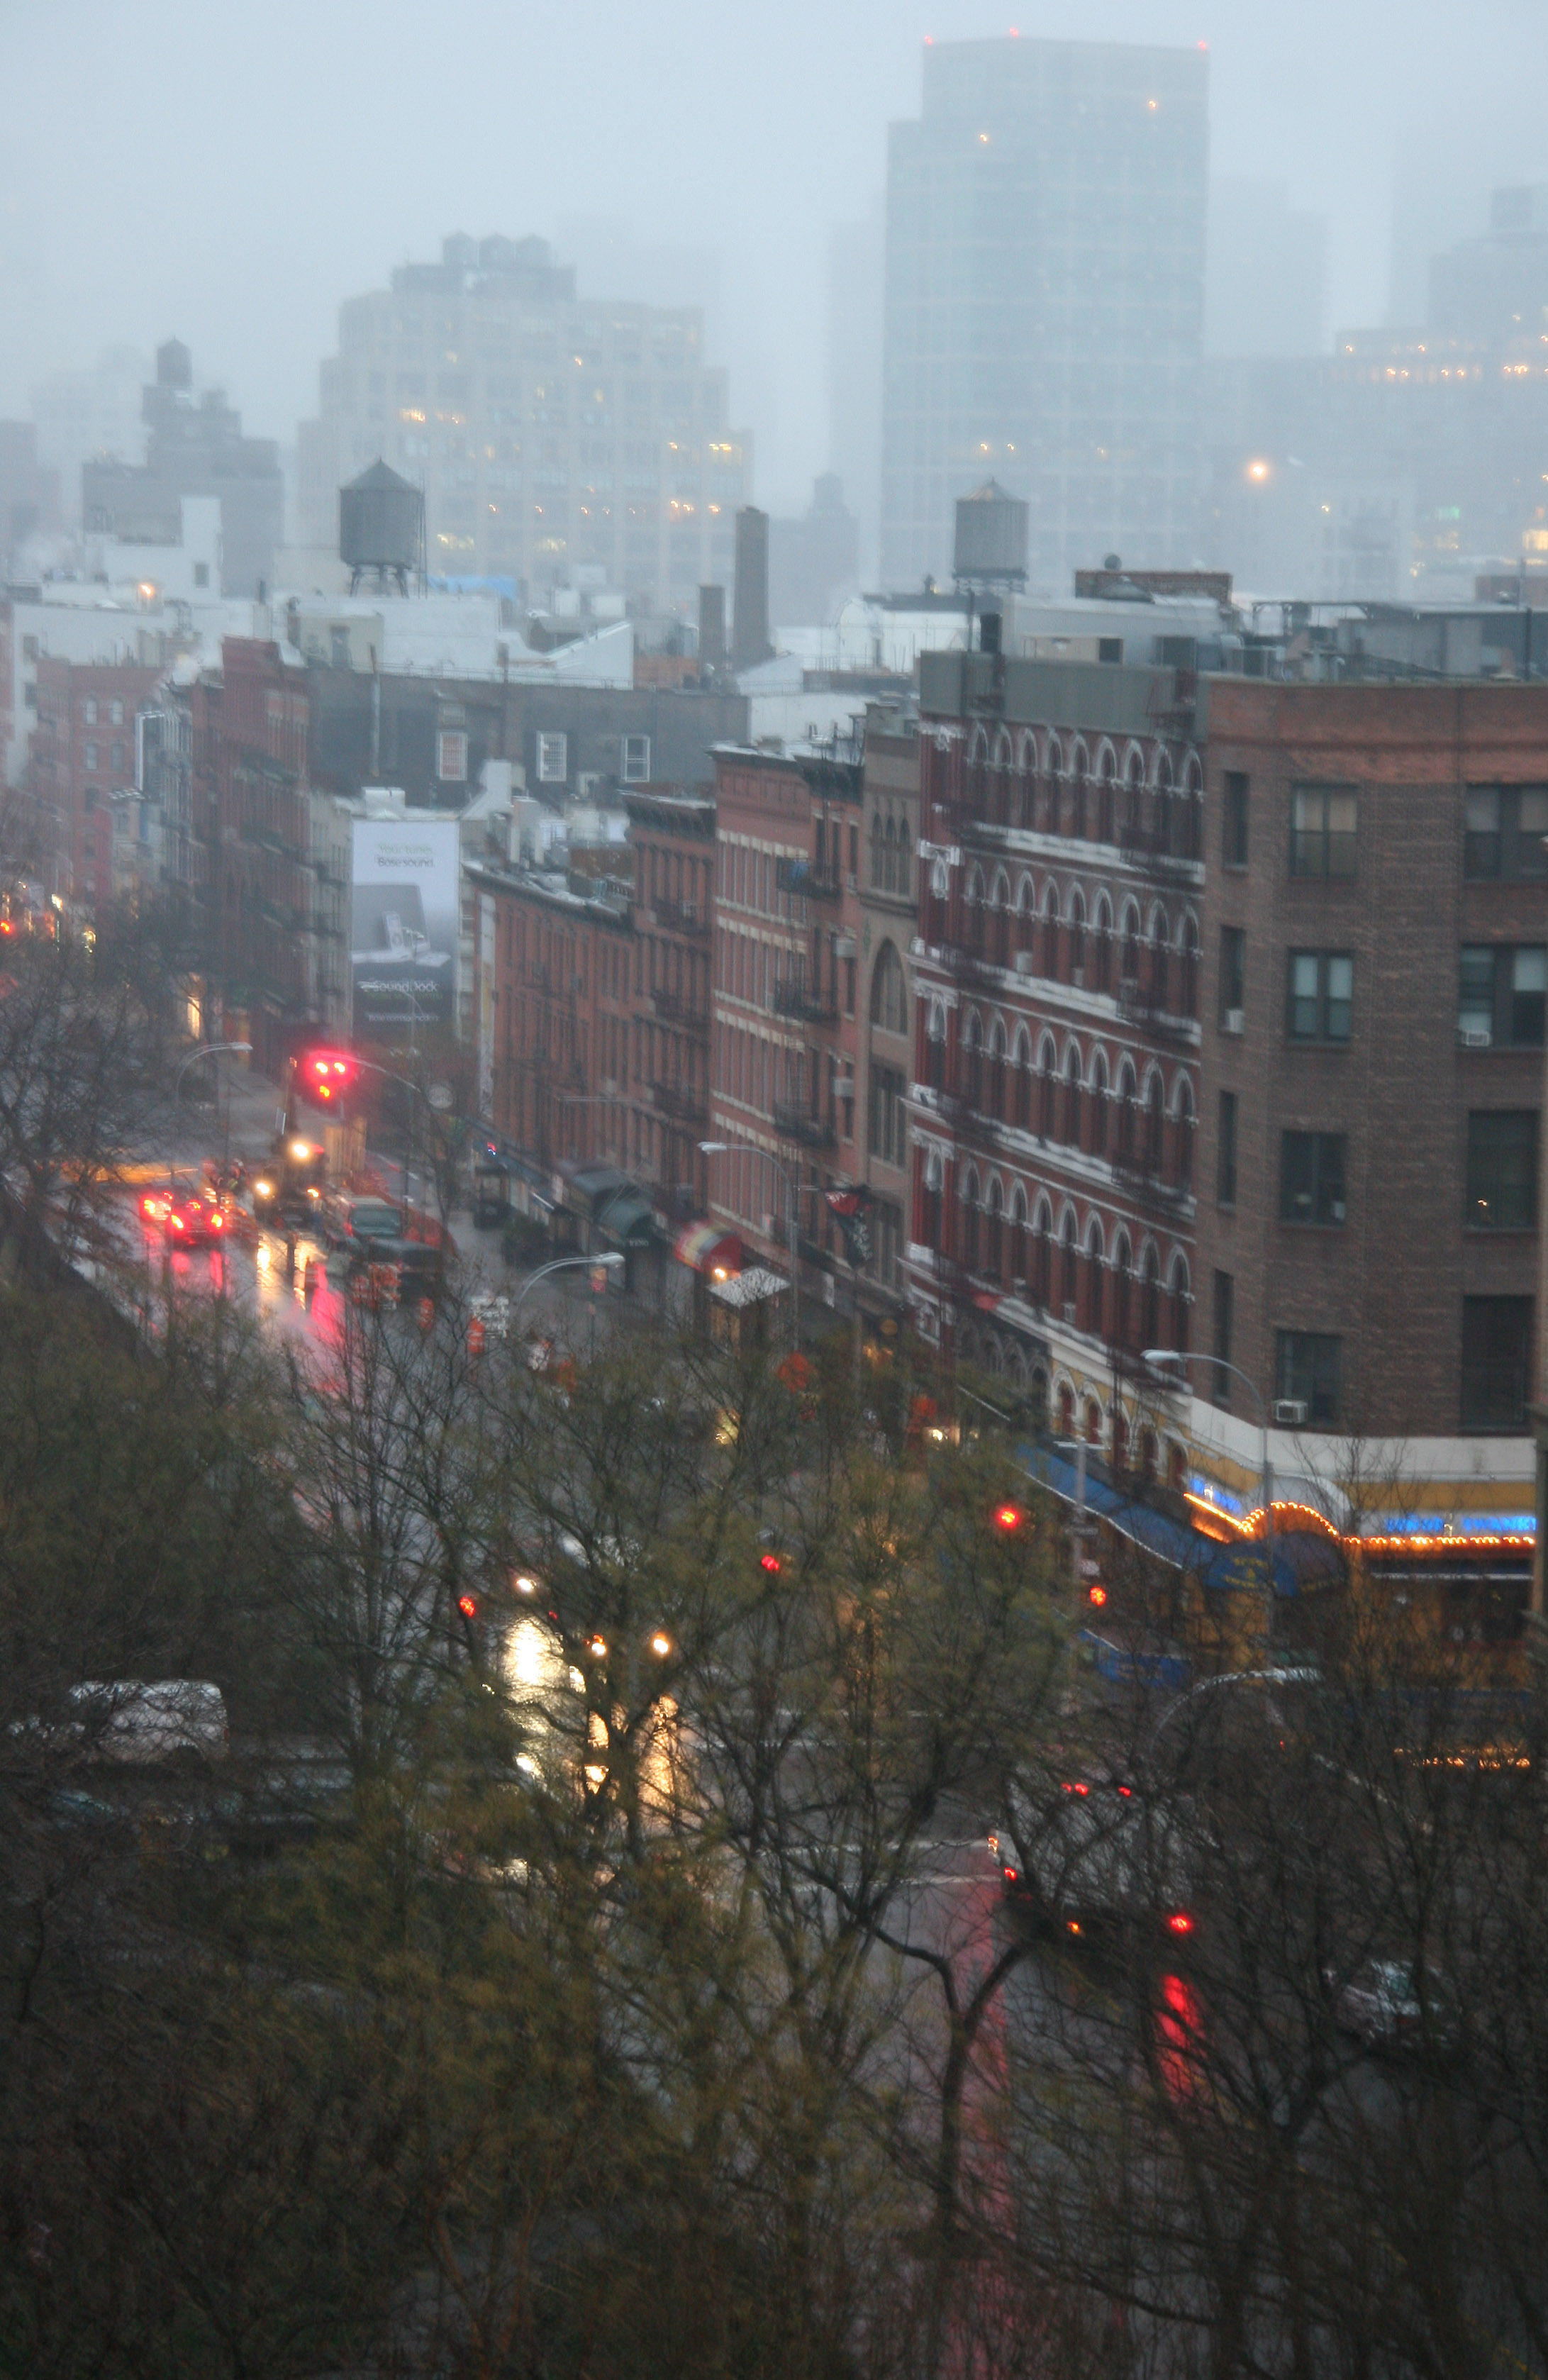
point(898, 246)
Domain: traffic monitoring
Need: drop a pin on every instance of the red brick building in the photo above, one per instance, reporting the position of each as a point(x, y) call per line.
point(564, 965)
point(82, 752)
point(1375, 972)
point(672, 837)
point(784, 1043)
point(1057, 1038)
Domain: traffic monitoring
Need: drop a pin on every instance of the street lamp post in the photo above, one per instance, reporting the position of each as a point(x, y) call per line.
point(724, 1149)
point(562, 1264)
point(1180, 1357)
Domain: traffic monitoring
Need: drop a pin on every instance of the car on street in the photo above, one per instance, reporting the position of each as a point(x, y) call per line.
point(196, 1221)
point(1098, 1857)
point(349, 1219)
point(1391, 2004)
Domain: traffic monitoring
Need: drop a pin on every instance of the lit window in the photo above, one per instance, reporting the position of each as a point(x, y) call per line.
point(1320, 996)
point(1321, 832)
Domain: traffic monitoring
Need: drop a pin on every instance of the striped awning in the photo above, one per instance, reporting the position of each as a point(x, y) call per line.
point(703, 1246)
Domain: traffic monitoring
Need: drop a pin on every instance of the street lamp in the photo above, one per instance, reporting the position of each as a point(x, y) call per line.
point(563, 1264)
point(724, 1149)
point(206, 1049)
point(1158, 1357)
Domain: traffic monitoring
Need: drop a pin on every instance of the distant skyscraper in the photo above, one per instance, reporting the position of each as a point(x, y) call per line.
point(192, 449)
point(560, 440)
point(1044, 301)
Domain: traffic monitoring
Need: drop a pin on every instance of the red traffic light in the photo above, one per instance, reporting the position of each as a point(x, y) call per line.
point(325, 1074)
point(1009, 1517)
point(1096, 1596)
point(468, 1606)
point(769, 1562)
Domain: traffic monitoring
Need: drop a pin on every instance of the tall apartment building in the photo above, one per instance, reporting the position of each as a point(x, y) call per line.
point(1045, 293)
point(558, 441)
point(888, 909)
point(1303, 926)
point(81, 758)
point(784, 993)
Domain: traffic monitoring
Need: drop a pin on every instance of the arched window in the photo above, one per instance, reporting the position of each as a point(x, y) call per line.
point(1180, 1302)
point(1026, 781)
point(1053, 770)
point(994, 1232)
point(1069, 1266)
point(1066, 1410)
point(1026, 913)
point(978, 771)
point(996, 1085)
point(1149, 1452)
point(935, 1046)
point(1160, 955)
point(903, 848)
point(1120, 1440)
point(975, 920)
point(1072, 1097)
point(1155, 1125)
point(1164, 821)
point(1126, 1091)
point(1042, 1257)
point(1097, 1132)
point(968, 1235)
point(973, 1060)
point(1185, 1136)
point(882, 837)
point(1091, 1313)
point(932, 1173)
point(936, 906)
point(1094, 1422)
point(1107, 798)
point(1104, 939)
point(1077, 937)
point(1024, 1082)
point(1046, 1078)
point(1000, 782)
point(1150, 1299)
point(888, 992)
point(1123, 1271)
point(1050, 933)
point(1134, 800)
point(1000, 920)
point(1079, 791)
point(1017, 1252)
point(1130, 969)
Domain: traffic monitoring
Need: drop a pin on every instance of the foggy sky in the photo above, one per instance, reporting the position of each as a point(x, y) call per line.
point(230, 172)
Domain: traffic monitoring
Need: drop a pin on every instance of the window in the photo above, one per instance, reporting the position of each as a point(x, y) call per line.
point(1321, 832)
point(1233, 819)
point(1496, 1346)
point(888, 992)
point(886, 1114)
point(1500, 995)
point(1503, 831)
point(88, 710)
point(887, 1233)
point(90, 755)
point(1306, 1372)
point(1502, 1170)
point(1311, 1177)
point(1233, 977)
point(116, 758)
point(201, 574)
point(553, 759)
point(634, 760)
point(1223, 1315)
point(1319, 995)
point(115, 713)
point(451, 756)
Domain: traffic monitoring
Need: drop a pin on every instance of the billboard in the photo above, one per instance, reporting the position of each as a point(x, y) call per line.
point(404, 926)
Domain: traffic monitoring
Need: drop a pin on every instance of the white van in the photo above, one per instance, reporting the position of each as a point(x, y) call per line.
point(133, 1720)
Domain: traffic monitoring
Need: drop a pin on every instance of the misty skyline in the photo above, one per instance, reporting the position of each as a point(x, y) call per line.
point(232, 178)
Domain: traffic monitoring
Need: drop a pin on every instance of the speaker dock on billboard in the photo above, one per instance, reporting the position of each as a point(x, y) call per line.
point(404, 926)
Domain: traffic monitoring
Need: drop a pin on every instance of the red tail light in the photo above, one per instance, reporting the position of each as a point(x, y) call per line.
point(1009, 1875)
point(769, 1562)
point(1180, 1922)
point(176, 1222)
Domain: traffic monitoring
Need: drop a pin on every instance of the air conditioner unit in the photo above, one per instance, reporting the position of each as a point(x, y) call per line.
point(1025, 964)
point(1078, 978)
point(1476, 1037)
point(1233, 1020)
point(1289, 1413)
point(1069, 1311)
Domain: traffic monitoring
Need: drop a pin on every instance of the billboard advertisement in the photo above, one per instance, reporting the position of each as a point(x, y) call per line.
point(404, 926)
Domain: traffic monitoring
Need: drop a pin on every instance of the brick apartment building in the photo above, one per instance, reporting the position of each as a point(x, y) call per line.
point(1057, 1035)
point(1374, 978)
point(888, 835)
point(1304, 925)
point(784, 1043)
point(673, 839)
point(81, 754)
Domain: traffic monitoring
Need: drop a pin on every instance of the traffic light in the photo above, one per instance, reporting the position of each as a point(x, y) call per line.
point(1009, 1518)
point(770, 1562)
point(324, 1075)
point(468, 1606)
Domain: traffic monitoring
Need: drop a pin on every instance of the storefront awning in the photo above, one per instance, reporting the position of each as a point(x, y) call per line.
point(627, 1221)
point(703, 1246)
point(749, 1288)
